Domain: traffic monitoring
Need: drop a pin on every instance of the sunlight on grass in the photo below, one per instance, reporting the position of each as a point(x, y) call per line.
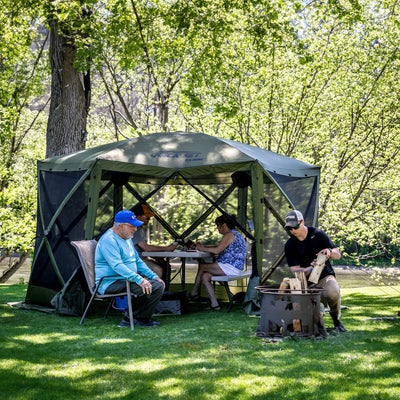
point(113, 340)
point(207, 381)
point(259, 385)
point(171, 387)
point(150, 365)
point(6, 314)
point(44, 339)
point(392, 341)
point(29, 369)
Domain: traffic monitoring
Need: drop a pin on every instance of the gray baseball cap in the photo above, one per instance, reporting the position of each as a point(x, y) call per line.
point(293, 218)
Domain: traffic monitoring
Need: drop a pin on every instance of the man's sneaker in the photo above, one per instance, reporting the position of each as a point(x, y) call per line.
point(124, 323)
point(146, 322)
point(339, 327)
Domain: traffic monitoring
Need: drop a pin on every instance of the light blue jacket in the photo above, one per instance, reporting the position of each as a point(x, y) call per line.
point(116, 256)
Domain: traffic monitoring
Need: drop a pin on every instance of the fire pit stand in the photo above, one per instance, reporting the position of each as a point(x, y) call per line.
point(290, 313)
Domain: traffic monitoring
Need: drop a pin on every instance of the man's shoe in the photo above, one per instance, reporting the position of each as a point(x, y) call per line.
point(146, 322)
point(339, 327)
point(124, 323)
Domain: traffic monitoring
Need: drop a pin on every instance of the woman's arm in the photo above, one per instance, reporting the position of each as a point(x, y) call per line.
point(226, 240)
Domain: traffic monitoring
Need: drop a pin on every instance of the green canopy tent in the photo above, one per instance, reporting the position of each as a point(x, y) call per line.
point(79, 194)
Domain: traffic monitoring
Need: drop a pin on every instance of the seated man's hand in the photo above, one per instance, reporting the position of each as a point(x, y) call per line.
point(146, 286)
point(160, 280)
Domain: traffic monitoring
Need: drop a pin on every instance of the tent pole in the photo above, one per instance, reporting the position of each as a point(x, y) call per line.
point(40, 216)
point(316, 190)
point(242, 204)
point(93, 200)
point(54, 262)
point(257, 185)
point(274, 212)
point(118, 198)
point(272, 268)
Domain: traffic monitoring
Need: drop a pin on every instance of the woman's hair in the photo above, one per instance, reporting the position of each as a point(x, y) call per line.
point(222, 219)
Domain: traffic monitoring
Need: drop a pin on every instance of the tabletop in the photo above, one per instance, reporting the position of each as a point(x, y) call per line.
point(177, 253)
point(183, 255)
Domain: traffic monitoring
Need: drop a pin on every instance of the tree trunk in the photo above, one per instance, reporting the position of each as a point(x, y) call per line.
point(70, 97)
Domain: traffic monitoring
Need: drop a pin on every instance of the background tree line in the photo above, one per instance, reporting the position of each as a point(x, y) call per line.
point(315, 81)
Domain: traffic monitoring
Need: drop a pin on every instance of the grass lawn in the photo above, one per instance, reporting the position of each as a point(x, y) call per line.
point(203, 355)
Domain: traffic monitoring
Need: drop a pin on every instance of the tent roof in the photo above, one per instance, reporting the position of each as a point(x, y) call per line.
point(177, 151)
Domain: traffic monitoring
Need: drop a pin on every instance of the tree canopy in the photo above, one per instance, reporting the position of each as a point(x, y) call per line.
point(315, 81)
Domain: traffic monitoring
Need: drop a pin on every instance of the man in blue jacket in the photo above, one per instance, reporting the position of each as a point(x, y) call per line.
point(116, 255)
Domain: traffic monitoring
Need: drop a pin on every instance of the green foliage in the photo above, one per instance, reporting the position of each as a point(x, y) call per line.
point(354, 136)
point(317, 81)
point(18, 199)
point(22, 81)
point(325, 97)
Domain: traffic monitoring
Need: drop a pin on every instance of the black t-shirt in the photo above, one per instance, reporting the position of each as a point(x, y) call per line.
point(304, 252)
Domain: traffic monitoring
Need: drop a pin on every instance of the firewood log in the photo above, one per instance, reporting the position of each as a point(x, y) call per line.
point(285, 286)
point(316, 272)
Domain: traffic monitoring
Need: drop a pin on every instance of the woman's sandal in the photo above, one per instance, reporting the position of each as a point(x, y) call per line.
point(196, 297)
point(215, 308)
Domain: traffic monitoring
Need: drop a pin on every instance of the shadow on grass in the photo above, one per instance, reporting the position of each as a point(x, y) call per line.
point(200, 355)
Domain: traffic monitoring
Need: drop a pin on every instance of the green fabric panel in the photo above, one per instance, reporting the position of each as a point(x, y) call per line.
point(39, 295)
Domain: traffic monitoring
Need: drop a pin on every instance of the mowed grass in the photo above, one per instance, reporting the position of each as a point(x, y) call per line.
point(200, 355)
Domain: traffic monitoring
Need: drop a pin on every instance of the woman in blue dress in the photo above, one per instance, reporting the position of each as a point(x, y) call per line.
point(231, 256)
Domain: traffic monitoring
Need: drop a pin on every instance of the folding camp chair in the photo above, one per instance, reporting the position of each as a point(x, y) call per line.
point(85, 250)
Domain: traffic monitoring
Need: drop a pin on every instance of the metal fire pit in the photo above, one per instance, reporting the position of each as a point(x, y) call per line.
point(288, 313)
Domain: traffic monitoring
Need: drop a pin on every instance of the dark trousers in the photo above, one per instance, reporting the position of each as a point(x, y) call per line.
point(143, 305)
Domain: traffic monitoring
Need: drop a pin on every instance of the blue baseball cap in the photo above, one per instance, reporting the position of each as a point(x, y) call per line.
point(127, 217)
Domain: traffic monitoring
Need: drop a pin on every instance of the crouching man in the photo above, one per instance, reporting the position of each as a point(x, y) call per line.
point(301, 251)
point(116, 255)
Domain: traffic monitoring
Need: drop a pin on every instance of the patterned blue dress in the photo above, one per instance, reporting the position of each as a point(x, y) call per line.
point(235, 253)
